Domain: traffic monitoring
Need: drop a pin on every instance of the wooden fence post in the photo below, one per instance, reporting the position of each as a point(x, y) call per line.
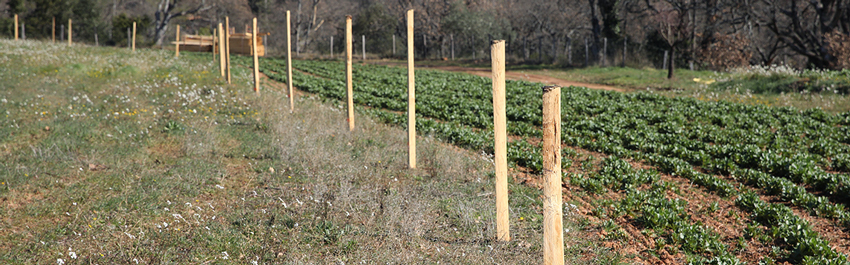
point(348, 73)
point(16, 26)
point(221, 59)
point(214, 36)
point(363, 46)
point(452, 37)
point(500, 134)
point(289, 63)
point(526, 53)
point(586, 53)
point(425, 45)
point(256, 56)
point(70, 32)
point(134, 36)
point(332, 47)
point(604, 51)
point(177, 43)
point(227, 46)
point(556, 43)
point(54, 30)
point(553, 232)
point(23, 31)
point(472, 44)
point(625, 47)
point(411, 94)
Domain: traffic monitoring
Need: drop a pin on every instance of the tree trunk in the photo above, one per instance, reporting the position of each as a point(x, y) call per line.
point(313, 25)
point(163, 16)
point(596, 30)
point(298, 25)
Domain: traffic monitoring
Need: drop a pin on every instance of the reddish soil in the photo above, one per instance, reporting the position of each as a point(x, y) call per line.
point(728, 221)
point(512, 75)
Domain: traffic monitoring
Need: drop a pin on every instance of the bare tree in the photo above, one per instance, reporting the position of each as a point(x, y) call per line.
point(674, 28)
point(169, 9)
point(802, 25)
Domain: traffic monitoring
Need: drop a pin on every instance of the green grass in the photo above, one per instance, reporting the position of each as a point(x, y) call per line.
point(810, 89)
point(633, 78)
point(110, 156)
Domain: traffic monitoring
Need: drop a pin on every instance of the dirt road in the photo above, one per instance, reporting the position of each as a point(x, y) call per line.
point(513, 75)
point(510, 75)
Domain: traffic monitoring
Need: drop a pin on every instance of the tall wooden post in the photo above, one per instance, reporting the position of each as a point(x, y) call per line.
point(177, 43)
point(472, 44)
point(70, 32)
point(452, 37)
point(221, 58)
point(363, 46)
point(23, 30)
point(134, 36)
point(214, 36)
point(227, 46)
point(586, 53)
point(425, 45)
point(500, 134)
point(332, 47)
point(348, 73)
point(625, 47)
point(604, 51)
point(553, 227)
point(16, 26)
point(411, 94)
point(54, 30)
point(289, 62)
point(256, 56)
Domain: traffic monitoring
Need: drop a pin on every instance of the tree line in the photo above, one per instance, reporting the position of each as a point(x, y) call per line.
point(709, 34)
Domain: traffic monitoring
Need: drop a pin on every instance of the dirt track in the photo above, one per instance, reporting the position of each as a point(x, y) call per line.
point(512, 75)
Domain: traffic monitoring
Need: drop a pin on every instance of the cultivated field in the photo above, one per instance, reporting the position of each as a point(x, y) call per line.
point(110, 156)
point(682, 178)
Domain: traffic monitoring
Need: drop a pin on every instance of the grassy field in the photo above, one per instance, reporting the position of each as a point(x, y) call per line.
point(110, 156)
point(778, 86)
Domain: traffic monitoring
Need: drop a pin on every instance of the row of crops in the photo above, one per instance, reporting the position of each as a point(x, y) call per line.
point(733, 150)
